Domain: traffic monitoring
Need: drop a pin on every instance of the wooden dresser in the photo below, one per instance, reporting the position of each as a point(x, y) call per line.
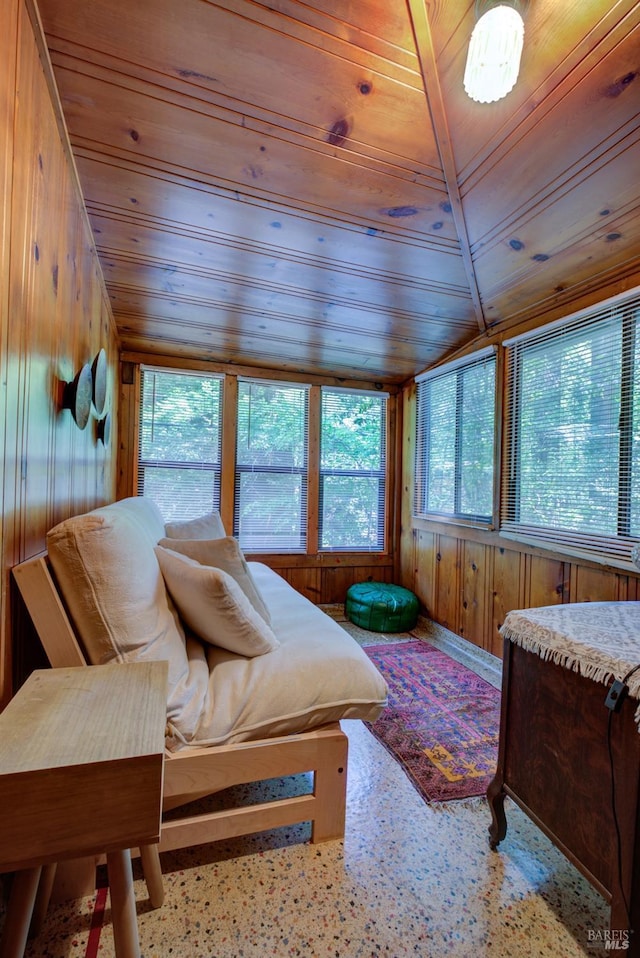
point(565, 758)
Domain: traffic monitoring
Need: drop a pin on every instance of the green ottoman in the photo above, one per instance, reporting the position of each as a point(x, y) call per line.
point(379, 607)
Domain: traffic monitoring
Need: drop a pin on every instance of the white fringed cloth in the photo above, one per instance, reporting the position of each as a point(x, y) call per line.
point(600, 640)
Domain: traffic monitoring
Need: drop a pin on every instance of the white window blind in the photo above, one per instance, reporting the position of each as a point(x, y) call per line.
point(270, 513)
point(455, 439)
point(180, 442)
point(573, 431)
point(353, 442)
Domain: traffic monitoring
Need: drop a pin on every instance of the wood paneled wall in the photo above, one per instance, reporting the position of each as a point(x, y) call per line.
point(467, 579)
point(54, 317)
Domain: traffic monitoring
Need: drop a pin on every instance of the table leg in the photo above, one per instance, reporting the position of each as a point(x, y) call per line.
point(42, 898)
point(19, 911)
point(150, 858)
point(123, 904)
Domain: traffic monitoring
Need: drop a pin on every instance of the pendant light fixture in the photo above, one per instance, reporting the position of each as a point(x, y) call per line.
point(493, 61)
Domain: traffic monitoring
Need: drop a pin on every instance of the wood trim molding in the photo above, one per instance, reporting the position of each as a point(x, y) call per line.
point(433, 93)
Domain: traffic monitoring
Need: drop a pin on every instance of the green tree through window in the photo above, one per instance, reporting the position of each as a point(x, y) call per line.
point(352, 470)
point(573, 431)
point(179, 446)
point(271, 467)
point(180, 462)
point(455, 440)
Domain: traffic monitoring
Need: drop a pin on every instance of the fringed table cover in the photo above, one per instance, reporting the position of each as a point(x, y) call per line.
point(600, 640)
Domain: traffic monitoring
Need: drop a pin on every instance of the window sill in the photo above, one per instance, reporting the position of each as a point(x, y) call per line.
point(424, 521)
point(318, 559)
point(573, 552)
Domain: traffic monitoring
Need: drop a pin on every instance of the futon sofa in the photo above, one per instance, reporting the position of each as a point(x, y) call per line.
point(259, 677)
point(248, 656)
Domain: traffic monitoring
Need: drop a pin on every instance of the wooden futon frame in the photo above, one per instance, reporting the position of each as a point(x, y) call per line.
point(194, 773)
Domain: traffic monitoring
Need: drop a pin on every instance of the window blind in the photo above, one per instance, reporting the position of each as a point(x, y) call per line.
point(573, 431)
point(455, 439)
point(353, 443)
point(180, 442)
point(270, 510)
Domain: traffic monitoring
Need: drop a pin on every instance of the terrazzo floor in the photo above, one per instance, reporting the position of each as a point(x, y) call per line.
point(409, 879)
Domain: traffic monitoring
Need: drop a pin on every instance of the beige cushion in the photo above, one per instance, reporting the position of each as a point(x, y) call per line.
point(318, 674)
point(224, 554)
point(213, 605)
point(204, 527)
point(111, 583)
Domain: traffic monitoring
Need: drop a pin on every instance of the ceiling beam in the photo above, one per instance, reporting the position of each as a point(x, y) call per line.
point(433, 92)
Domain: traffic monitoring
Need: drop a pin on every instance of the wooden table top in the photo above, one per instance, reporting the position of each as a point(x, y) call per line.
point(81, 758)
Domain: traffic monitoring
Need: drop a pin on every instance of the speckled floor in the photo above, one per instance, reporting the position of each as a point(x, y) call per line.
point(409, 879)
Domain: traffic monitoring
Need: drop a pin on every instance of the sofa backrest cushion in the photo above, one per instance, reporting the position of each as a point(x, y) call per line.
point(208, 526)
point(105, 566)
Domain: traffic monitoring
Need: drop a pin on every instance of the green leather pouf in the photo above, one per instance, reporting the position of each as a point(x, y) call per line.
point(380, 607)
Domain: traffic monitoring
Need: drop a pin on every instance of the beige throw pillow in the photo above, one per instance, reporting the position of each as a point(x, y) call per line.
point(208, 526)
point(224, 554)
point(214, 606)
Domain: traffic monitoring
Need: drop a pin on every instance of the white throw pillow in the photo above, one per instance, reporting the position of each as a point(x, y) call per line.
point(204, 527)
point(224, 554)
point(214, 606)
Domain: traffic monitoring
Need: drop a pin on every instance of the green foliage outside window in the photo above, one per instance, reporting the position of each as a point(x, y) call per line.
point(179, 450)
point(574, 433)
point(352, 470)
point(271, 466)
point(179, 463)
point(455, 442)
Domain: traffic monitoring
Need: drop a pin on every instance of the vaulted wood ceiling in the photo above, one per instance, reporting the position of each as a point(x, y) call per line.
point(306, 186)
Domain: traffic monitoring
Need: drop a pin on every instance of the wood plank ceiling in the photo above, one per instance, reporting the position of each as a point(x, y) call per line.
point(306, 186)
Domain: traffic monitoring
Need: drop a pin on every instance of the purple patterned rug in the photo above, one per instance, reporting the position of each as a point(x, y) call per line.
point(441, 723)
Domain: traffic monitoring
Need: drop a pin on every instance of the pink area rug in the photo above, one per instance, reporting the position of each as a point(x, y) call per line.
point(441, 723)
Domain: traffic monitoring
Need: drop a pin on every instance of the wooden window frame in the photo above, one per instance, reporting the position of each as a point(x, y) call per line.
point(128, 463)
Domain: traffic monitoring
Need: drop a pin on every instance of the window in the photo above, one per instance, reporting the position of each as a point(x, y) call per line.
point(455, 439)
point(352, 469)
point(574, 433)
point(179, 447)
point(270, 512)
point(261, 469)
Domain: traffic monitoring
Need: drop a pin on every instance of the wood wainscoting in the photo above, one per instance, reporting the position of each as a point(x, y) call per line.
point(324, 577)
point(468, 578)
point(469, 581)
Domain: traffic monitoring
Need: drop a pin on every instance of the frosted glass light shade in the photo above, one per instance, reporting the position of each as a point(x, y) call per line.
point(494, 54)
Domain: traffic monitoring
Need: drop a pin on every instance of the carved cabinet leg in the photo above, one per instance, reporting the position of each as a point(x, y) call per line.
point(496, 796)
